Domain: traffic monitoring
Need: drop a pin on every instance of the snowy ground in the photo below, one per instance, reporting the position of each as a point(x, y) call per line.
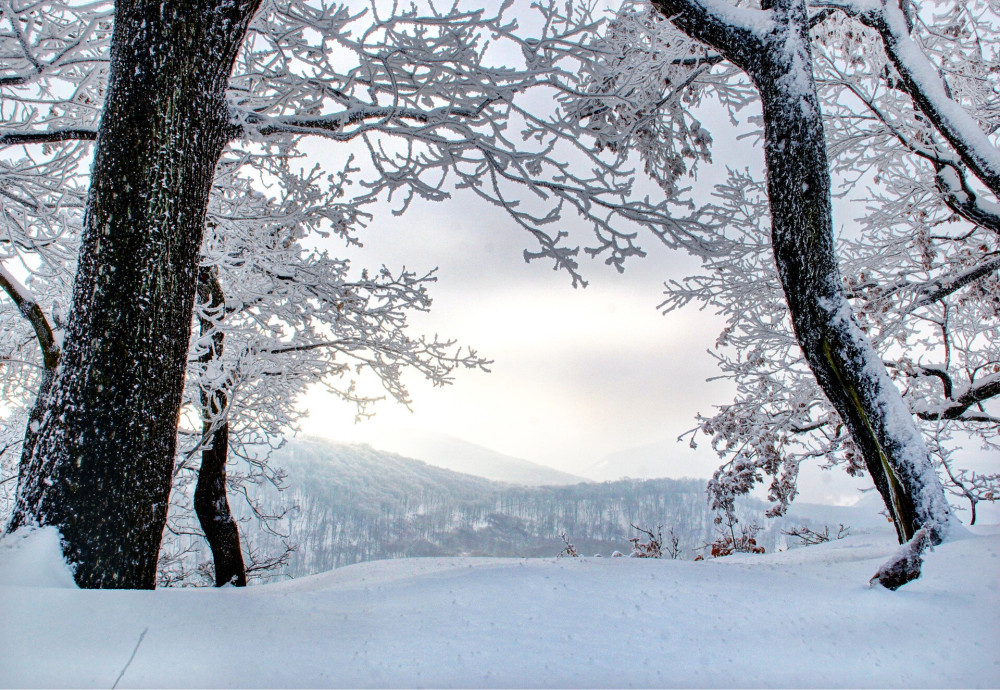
point(803, 618)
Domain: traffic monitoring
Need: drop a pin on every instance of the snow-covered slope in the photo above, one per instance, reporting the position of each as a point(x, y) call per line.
point(665, 458)
point(803, 618)
point(457, 455)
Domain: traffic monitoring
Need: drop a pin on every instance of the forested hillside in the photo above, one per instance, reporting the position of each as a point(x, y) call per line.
point(354, 503)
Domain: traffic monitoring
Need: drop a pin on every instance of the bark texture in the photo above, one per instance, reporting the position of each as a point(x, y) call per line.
point(776, 57)
point(100, 468)
point(210, 501)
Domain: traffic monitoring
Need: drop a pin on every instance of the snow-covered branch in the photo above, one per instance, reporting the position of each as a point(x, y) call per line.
point(957, 406)
point(923, 81)
point(28, 305)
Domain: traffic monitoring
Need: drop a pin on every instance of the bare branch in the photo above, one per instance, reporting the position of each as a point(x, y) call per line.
point(50, 137)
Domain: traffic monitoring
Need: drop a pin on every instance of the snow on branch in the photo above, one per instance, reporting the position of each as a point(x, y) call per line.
point(29, 307)
point(59, 38)
point(923, 81)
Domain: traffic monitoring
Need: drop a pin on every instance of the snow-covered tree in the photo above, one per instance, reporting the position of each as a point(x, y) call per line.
point(158, 93)
point(293, 318)
point(902, 101)
point(274, 319)
point(428, 102)
point(273, 316)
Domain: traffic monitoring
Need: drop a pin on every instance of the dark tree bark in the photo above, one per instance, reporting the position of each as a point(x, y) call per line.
point(100, 469)
point(210, 502)
point(847, 368)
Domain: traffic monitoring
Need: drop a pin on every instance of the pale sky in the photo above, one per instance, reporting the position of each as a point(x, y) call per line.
point(578, 373)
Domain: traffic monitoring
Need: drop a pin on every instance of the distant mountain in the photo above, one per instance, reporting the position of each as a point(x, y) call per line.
point(449, 452)
point(365, 478)
point(664, 458)
point(356, 504)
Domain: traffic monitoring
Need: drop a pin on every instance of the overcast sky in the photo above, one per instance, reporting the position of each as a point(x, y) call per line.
point(577, 374)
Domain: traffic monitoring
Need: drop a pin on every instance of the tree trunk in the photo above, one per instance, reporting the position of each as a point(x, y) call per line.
point(846, 366)
point(210, 502)
point(212, 507)
point(844, 362)
point(100, 468)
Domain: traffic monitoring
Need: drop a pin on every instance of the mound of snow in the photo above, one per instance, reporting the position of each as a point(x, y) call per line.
point(33, 558)
point(802, 618)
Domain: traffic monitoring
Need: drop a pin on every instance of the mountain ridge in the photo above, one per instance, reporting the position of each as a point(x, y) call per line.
point(355, 503)
point(458, 455)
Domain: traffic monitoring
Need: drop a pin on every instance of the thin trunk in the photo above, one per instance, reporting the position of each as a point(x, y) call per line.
point(210, 502)
point(101, 466)
point(212, 507)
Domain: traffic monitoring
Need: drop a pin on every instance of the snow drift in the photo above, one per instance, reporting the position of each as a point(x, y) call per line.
point(803, 617)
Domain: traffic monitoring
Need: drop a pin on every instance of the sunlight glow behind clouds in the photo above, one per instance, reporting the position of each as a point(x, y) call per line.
point(578, 373)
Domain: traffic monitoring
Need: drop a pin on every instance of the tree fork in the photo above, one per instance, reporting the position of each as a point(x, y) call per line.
point(45, 336)
point(101, 466)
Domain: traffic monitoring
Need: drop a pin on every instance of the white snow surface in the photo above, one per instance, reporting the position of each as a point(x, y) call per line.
point(32, 558)
point(804, 618)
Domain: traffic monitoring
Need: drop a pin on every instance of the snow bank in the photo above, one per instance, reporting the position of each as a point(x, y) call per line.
point(33, 558)
point(803, 618)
